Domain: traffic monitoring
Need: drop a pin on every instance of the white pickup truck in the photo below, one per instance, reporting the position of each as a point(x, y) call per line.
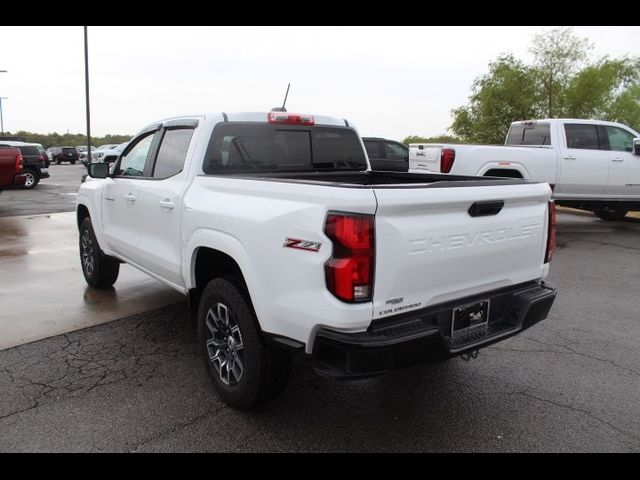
point(283, 239)
point(592, 165)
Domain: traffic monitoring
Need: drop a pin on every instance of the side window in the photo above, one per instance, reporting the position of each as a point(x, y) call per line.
point(172, 152)
point(132, 164)
point(393, 151)
point(372, 149)
point(582, 136)
point(529, 134)
point(619, 140)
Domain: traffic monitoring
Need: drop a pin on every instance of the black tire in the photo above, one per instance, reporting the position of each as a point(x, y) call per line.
point(99, 270)
point(73, 162)
point(611, 214)
point(58, 162)
point(265, 368)
point(32, 179)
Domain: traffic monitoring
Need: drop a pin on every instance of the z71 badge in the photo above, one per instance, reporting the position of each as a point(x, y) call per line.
point(302, 244)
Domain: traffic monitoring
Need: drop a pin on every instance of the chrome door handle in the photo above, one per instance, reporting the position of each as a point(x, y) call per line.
point(167, 204)
point(111, 199)
point(569, 157)
point(617, 159)
point(130, 198)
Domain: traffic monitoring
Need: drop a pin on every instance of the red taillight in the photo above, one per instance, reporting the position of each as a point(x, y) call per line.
point(19, 164)
point(447, 157)
point(291, 118)
point(349, 271)
point(551, 235)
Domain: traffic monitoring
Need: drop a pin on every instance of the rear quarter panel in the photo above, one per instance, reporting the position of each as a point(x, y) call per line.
point(249, 220)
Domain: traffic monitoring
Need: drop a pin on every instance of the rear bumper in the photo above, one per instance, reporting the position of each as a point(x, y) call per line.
point(19, 180)
point(11, 181)
point(425, 335)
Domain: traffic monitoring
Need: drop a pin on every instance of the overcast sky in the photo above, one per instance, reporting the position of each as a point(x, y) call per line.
point(390, 82)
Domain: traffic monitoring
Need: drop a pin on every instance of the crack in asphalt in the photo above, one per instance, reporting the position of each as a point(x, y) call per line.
point(573, 408)
point(181, 426)
point(570, 351)
point(75, 364)
point(606, 244)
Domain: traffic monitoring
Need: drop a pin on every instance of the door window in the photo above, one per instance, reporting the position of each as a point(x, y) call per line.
point(372, 149)
point(133, 163)
point(582, 136)
point(396, 152)
point(173, 152)
point(619, 140)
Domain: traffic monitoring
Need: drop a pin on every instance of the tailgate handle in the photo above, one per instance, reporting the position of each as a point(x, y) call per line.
point(485, 209)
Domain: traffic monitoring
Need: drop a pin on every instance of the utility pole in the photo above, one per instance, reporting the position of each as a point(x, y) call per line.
point(86, 83)
point(1, 116)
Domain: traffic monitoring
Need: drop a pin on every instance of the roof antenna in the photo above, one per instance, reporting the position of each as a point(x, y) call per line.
point(282, 109)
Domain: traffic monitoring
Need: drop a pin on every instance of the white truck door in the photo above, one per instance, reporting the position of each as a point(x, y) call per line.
point(120, 196)
point(584, 167)
point(160, 204)
point(624, 169)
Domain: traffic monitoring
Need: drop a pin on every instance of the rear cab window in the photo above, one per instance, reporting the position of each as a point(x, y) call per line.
point(247, 147)
point(529, 134)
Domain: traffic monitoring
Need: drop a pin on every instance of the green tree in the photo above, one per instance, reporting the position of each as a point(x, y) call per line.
point(607, 90)
point(558, 54)
point(436, 139)
point(508, 92)
point(560, 83)
point(68, 139)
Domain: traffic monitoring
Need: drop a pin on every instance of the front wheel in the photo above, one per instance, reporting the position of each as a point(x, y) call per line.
point(244, 370)
point(100, 270)
point(31, 179)
point(611, 214)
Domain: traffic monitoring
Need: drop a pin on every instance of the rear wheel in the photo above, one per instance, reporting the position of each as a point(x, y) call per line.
point(58, 162)
point(611, 213)
point(73, 162)
point(100, 270)
point(31, 179)
point(245, 371)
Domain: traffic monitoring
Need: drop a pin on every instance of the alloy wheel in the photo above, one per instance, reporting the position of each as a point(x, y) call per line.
point(224, 344)
point(30, 179)
point(86, 253)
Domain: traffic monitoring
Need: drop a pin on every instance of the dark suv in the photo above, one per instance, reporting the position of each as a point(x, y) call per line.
point(386, 155)
point(35, 164)
point(63, 154)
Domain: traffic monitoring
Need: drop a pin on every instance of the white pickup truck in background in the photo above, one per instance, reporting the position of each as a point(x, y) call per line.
point(282, 238)
point(592, 165)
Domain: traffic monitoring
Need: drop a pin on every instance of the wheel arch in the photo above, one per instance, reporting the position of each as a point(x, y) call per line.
point(215, 259)
point(511, 172)
point(82, 212)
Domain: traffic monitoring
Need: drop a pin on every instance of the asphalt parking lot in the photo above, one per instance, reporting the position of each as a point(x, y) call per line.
point(54, 194)
point(569, 384)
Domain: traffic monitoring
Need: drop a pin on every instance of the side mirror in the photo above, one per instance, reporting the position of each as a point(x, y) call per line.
point(98, 170)
point(636, 146)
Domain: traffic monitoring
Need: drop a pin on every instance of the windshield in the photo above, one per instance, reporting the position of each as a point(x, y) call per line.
point(251, 147)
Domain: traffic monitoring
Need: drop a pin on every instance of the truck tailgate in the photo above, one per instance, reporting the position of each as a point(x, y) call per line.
point(430, 249)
